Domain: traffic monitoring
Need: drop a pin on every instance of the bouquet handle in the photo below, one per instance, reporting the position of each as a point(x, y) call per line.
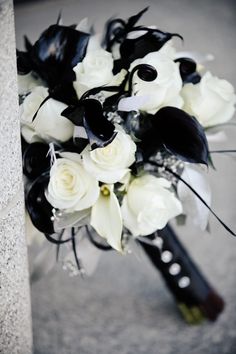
point(196, 298)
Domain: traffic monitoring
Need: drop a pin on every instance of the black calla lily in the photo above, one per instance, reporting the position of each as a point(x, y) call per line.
point(54, 54)
point(89, 114)
point(24, 65)
point(177, 132)
point(36, 160)
point(39, 209)
point(100, 131)
point(117, 29)
point(74, 114)
point(151, 41)
point(131, 22)
point(57, 51)
point(65, 93)
point(188, 70)
point(130, 49)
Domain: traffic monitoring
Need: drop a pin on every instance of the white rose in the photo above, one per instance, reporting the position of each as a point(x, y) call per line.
point(149, 205)
point(48, 124)
point(169, 49)
point(27, 82)
point(165, 89)
point(94, 43)
point(211, 101)
point(95, 70)
point(110, 164)
point(70, 187)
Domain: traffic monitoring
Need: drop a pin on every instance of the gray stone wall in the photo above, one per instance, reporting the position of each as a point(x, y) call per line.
point(15, 313)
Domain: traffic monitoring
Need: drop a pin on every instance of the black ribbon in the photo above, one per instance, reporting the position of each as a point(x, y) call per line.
point(198, 298)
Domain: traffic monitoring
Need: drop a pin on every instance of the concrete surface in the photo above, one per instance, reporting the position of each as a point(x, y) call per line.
point(15, 315)
point(124, 308)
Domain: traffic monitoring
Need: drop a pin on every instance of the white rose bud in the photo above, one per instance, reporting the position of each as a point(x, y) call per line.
point(149, 205)
point(110, 164)
point(95, 70)
point(211, 101)
point(48, 124)
point(165, 89)
point(70, 187)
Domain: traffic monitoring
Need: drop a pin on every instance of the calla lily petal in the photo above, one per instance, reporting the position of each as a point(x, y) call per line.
point(178, 132)
point(89, 114)
point(38, 207)
point(192, 206)
point(54, 54)
point(133, 103)
point(36, 160)
point(188, 70)
point(106, 217)
point(152, 41)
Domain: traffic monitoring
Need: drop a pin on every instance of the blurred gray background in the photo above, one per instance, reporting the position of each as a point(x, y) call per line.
point(124, 308)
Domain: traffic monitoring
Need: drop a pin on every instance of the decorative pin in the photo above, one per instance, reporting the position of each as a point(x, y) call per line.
point(174, 269)
point(166, 256)
point(184, 282)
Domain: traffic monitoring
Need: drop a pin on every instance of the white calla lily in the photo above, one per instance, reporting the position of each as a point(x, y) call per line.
point(106, 217)
point(133, 103)
point(192, 205)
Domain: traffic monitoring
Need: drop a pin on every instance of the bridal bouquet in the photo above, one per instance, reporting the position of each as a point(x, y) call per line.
point(113, 134)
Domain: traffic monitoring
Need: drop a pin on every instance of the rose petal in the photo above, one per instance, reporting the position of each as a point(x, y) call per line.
point(130, 219)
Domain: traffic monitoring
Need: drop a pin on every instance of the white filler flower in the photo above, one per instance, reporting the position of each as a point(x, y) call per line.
point(49, 124)
point(149, 205)
point(165, 89)
point(211, 101)
point(110, 164)
point(70, 187)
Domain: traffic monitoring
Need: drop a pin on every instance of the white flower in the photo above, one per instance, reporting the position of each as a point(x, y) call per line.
point(27, 82)
point(193, 207)
point(110, 164)
point(95, 70)
point(165, 89)
point(169, 49)
point(94, 43)
point(149, 205)
point(211, 101)
point(48, 124)
point(70, 187)
point(106, 217)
